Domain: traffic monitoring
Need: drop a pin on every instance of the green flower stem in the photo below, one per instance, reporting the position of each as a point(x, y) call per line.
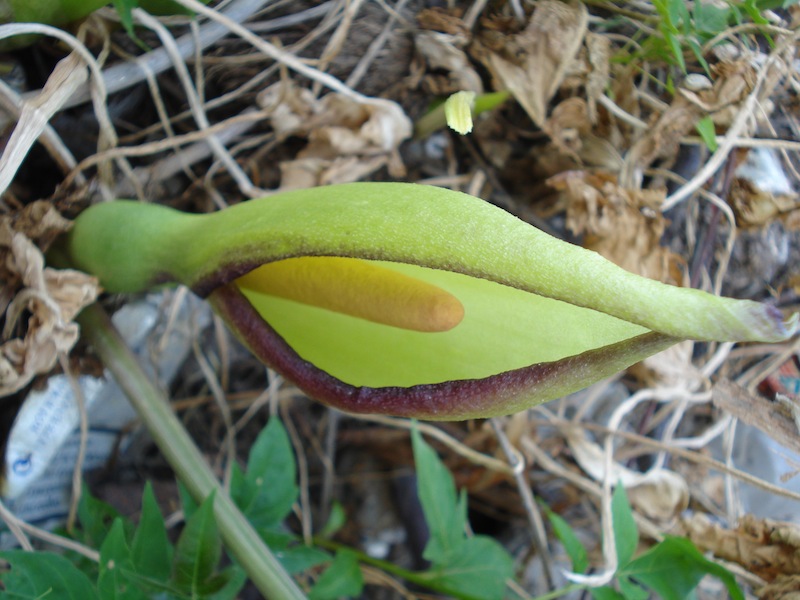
point(184, 457)
point(435, 119)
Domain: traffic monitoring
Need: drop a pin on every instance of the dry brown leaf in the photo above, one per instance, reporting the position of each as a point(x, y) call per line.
point(437, 19)
point(51, 297)
point(623, 225)
point(347, 139)
point(784, 587)
point(534, 63)
point(444, 51)
point(766, 548)
point(755, 207)
point(661, 140)
point(733, 81)
point(569, 125)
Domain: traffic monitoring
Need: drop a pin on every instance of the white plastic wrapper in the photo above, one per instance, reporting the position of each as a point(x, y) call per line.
point(44, 441)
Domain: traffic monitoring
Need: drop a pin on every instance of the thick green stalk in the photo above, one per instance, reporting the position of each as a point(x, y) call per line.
point(184, 457)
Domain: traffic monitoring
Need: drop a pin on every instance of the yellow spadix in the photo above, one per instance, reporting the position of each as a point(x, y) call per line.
point(359, 289)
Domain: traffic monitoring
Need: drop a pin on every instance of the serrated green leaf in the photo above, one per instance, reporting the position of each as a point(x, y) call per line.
point(151, 551)
point(341, 579)
point(225, 585)
point(267, 491)
point(626, 534)
point(35, 575)
point(477, 570)
point(187, 502)
point(445, 512)
point(95, 517)
point(198, 550)
point(572, 545)
point(115, 581)
point(673, 568)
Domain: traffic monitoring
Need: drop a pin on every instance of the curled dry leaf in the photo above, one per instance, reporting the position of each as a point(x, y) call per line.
point(659, 494)
point(660, 140)
point(755, 207)
point(569, 125)
point(761, 192)
point(623, 225)
point(51, 297)
point(442, 51)
point(534, 63)
point(766, 548)
point(347, 139)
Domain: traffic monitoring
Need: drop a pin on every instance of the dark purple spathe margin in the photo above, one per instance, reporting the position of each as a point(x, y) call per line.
point(499, 394)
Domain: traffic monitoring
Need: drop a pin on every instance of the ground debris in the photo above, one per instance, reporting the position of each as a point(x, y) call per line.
point(533, 64)
point(347, 139)
point(768, 549)
point(52, 297)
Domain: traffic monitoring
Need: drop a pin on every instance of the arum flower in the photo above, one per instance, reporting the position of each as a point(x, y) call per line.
point(406, 299)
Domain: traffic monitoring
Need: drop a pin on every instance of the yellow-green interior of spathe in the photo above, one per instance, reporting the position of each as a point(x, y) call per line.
point(503, 329)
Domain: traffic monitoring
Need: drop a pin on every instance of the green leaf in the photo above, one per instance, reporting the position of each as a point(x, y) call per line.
point(706, 129)
point(187, 502)
point(626, 534)
point(477, 570)
point(572, 545)
point(673, 568)
point(711, 19)
point(445, 512)
point(226, 584)
point(151, 551)
point(341, 579)
point(267, 491)
point(124, 8)
point(631, 590)
point(116, 569)
point(606, 593)
point(677, 51)
point(476, 567)
point(96, 518)
point(292, 553)
point(336, 520)
point(198, 551)
point(35, 575)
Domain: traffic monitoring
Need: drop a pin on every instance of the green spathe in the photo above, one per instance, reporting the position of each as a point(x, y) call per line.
point(529, 298)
